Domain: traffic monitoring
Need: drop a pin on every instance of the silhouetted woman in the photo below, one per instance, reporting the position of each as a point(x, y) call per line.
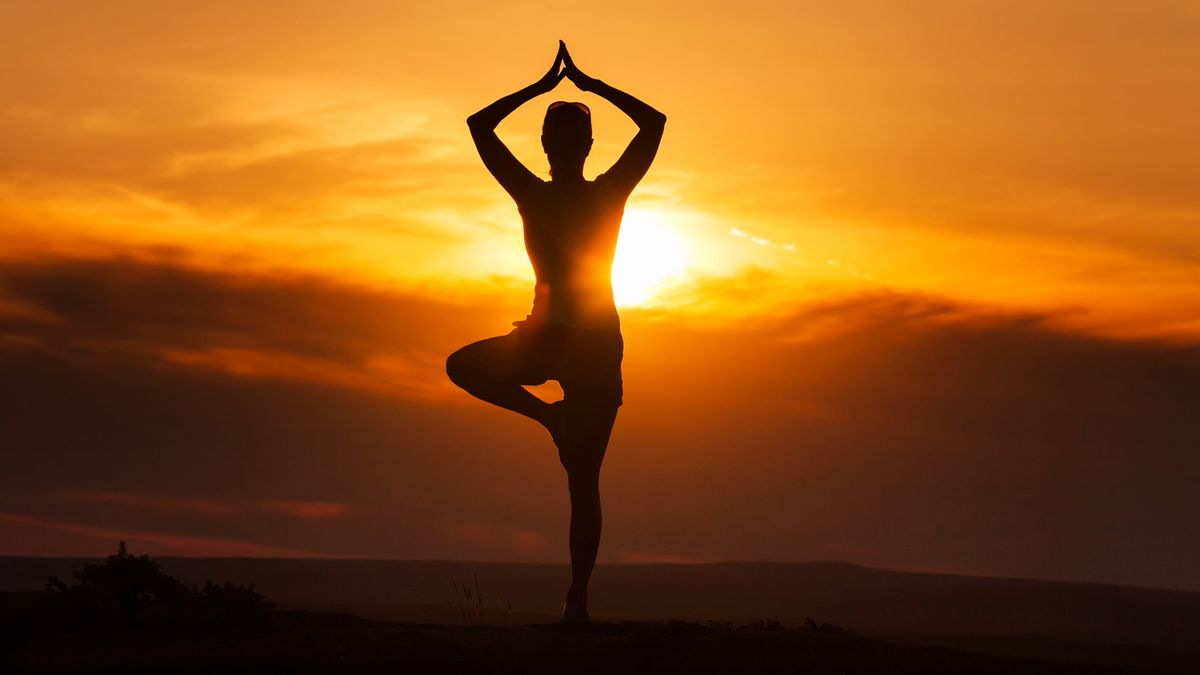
point(573, 333)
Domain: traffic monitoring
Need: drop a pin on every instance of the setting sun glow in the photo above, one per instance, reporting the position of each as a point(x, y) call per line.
point(892, 264)
point(650, 255)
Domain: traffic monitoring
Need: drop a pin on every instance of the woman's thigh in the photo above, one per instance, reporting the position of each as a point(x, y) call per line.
point(493, 359)
point(589, 427)
point(590, 370)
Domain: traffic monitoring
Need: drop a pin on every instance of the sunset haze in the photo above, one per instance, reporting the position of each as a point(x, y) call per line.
point(913, 285)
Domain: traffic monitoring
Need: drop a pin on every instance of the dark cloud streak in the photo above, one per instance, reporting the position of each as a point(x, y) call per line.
point(892, 429)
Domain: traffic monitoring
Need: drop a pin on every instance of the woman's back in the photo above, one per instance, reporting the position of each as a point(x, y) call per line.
point(571, 230)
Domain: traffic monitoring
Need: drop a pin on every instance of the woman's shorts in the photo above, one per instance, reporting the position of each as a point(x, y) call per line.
point(586, 362)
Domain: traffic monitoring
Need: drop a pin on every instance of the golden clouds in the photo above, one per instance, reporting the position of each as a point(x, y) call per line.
point(1018, 155)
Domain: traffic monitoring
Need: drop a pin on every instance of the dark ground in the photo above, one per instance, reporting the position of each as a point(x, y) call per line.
point(413, 616)
point(295, 641)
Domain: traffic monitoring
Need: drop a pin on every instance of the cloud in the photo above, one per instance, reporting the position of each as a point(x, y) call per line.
point(158, 543)
point(308, 509)
point(202, 506)
point(907, 430)
point(760, 241)
point(317, 510)
point(252, 325)
point(919, 428)
point(501, 539)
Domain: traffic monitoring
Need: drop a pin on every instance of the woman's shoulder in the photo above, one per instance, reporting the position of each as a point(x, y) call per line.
point(609, 186)
point(532, 193)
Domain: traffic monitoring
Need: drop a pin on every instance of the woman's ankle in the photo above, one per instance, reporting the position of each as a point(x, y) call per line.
point(577, 598)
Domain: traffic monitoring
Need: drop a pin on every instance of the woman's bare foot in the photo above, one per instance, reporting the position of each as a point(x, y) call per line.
point(574, 612)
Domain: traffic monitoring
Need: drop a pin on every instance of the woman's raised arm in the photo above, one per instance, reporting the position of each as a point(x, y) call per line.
point(513, 176)
point(636, 159)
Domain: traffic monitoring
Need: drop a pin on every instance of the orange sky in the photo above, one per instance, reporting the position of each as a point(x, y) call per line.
point(284, 196)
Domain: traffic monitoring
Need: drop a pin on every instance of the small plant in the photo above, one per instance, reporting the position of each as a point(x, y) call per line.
point(468, 603)
point(766, 624)
point(124, 583)
point(133, 589)
point(812, 625)
point(468, 600)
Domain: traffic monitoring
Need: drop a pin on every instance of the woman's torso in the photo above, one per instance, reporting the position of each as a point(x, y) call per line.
point(571, 233)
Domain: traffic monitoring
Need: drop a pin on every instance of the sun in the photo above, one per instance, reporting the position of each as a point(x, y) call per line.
point(650, 255)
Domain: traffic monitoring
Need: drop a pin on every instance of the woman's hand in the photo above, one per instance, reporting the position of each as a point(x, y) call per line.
point(553, 76)
point(574, 74)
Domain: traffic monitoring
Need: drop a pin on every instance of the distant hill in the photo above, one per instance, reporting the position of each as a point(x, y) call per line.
point(993, 614)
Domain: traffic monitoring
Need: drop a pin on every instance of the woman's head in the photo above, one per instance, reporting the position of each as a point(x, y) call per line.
point(567, 133)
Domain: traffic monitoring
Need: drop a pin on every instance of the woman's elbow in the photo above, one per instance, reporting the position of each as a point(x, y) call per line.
point(656, 120)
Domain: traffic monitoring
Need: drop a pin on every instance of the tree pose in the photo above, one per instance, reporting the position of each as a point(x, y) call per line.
point(573, 332)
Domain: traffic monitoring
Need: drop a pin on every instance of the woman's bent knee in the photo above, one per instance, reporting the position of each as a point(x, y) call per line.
point(459, 367)
point(479, 364)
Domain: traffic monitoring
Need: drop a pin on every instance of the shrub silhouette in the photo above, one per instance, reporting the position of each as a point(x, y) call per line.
point(823, 627)
point(123, 583)
point(133, 589)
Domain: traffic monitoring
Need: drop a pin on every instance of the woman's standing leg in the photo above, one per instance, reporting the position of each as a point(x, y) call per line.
point(588, 430)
